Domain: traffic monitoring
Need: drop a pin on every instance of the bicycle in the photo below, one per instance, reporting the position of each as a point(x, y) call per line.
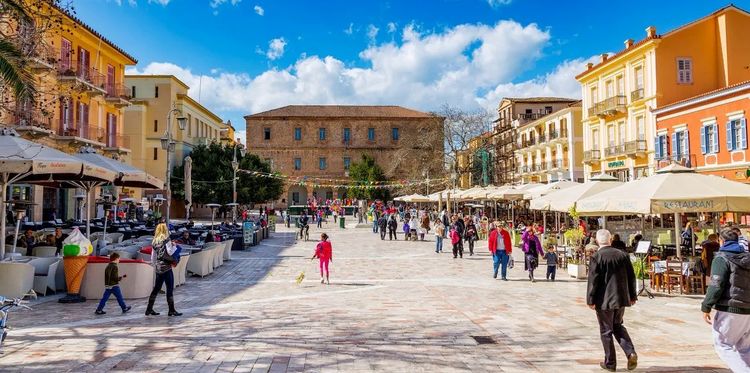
point(6, 305)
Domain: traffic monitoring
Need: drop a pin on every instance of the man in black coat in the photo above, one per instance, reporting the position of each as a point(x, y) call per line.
point(612, 288)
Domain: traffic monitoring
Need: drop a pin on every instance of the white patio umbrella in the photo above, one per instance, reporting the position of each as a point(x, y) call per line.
point(544, 189)
point(418, 198)
point(26, 161)
point(562, 200)
point(673, 189)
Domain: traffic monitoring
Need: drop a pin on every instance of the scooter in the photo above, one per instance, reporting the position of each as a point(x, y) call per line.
point(6, 304)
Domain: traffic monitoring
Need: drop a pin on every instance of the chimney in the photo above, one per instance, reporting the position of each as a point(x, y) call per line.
point(650, 31)
point(589, 65)
point(628, 43)
point(604, 57)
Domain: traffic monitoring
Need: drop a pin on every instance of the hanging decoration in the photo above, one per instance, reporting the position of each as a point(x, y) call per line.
point(316, 182)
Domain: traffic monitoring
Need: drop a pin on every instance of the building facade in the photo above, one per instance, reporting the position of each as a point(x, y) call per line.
point(476, 164)
point(620, 92)
point(320, 142)
point(80, 100)
point(513, 113)
point(550, 148)
point(707, 132)
point(153, 97)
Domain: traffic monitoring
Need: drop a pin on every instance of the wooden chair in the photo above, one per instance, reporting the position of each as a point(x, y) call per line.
point(673, 276)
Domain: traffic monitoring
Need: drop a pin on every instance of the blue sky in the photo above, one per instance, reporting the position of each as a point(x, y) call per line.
point(253, 55)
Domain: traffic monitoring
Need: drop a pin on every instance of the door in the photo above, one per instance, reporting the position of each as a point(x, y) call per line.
point(110, 80)
point(84, 64)
point(111, 130)
point(65, 57)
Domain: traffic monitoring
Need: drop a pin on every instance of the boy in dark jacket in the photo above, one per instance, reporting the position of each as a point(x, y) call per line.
point(112, 285)
point(729, 293)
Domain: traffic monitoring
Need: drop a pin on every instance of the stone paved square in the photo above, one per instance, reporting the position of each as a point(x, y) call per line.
point(391, 307)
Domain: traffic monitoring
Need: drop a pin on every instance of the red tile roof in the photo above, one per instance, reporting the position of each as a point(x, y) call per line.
point(342, 111)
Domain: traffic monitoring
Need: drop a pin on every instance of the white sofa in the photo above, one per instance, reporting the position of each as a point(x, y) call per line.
point(138, 284)
point(180, 271)
point(201, 263)
point(16, 279)
point(218, 250)
point(45, 274)
point(44, 251)
point(228, 249)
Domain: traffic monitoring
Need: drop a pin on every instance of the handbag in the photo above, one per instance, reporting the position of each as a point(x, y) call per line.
point(511, 261)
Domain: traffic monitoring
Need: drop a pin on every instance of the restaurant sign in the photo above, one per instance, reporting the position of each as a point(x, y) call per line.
point(696, 205)
point(615, 164)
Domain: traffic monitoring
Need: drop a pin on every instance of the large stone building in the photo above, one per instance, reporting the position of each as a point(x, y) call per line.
point(320, 142)
point(512, 113)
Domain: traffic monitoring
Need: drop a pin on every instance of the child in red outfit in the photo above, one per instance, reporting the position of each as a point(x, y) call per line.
point(324, 253)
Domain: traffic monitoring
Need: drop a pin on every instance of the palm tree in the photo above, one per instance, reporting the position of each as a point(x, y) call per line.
point(14, 71)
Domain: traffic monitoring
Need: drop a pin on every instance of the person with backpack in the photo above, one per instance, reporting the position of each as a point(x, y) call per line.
point(162, 258)
point(392, 226)
point(382, 225)
point(729, 294)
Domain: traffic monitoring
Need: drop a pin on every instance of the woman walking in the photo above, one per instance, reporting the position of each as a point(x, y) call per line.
point(162, 250)
point(532, 247)
point(470, 235)
point(439, 232)
point(425, 225)
point(324, 253)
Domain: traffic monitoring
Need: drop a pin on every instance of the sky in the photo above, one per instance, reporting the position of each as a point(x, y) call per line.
point(245, 56)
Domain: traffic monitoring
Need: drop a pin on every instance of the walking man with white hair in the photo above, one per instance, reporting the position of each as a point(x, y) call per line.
point(612, 288)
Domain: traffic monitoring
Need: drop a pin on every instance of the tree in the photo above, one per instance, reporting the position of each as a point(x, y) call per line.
point(461, 127)
point(212, 177)
point(365, 174)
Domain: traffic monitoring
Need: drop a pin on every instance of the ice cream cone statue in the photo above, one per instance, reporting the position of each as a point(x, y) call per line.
point(76, 251)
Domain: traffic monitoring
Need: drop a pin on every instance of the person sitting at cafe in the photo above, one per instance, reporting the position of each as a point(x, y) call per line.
point(59, 238)
point(49, 240)
point(210, 237)
point(27, 241)
point(185, 239)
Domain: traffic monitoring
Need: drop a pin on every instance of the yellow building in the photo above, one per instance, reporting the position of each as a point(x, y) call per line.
point(550, 149)
point(475, 164)
point(621, 90)
point(81, 96)
point(153, 97)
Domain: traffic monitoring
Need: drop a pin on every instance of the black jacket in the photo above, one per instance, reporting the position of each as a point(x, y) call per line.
point(729, 288)
point(611, 279)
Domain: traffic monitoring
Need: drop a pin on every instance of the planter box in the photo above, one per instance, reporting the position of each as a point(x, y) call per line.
point(577, 271)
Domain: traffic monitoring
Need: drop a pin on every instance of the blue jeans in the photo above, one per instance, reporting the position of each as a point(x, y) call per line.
point(438, 244)
point(500, 259)
point(374, 225)
point(118, 294)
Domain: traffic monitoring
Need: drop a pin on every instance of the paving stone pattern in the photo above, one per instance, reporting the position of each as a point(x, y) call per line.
point(390, 307)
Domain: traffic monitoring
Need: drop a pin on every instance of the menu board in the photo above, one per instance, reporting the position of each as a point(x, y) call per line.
point(248, 228)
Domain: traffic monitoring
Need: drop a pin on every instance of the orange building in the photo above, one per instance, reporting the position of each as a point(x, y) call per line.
point(707, 132)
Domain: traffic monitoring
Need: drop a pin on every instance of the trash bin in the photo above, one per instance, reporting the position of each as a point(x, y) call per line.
point(341, 222)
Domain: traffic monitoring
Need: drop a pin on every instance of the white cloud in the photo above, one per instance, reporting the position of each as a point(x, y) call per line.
point(470, 66)
point(349, 30)
point(391, 27)
point(259, 10)
point(276, 48)
point(161, 2)
point(216, 3)
point(372, 33)
point(497, 3)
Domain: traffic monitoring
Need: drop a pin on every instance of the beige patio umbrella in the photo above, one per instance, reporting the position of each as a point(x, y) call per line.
point(672, 190)
point(416, 198)
point(562, 200)
point(544, 189)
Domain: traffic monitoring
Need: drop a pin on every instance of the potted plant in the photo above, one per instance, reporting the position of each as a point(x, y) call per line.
point(574, 237)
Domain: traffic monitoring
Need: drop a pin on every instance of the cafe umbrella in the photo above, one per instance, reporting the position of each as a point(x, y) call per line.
point(29, 162)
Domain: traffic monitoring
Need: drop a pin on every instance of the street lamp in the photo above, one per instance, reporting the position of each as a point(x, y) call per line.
point(168, 144)
point(235, 167)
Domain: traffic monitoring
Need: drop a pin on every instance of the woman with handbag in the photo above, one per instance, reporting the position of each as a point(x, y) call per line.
point(162, 251)
point(532, 248)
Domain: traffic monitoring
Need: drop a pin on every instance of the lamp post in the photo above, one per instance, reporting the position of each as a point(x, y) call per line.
point(169, 145)
point(235, 167)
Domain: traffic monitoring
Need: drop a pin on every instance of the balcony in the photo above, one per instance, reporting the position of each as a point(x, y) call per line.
point(529, 116)
point(553, 135)
point(591, 156)
point(635, 148)
point(685, 160)
point(636, 95)
point(85, 133)
point(609, 107)
point(614, 150)
point(117, 94)
point(40, 56)
point(117, 143)
point(84, 78)
point(33, 122)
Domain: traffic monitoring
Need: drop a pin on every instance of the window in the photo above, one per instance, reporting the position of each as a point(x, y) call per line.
point(621, 132)
point(156, 125)
point(370, 134)
point(611, 139)
point(595, 139)
point(156, 154)
point(156, 91)
point(594, 95)
point(620, 85)
point(394, 134)
point(684, 70)
point(298, 134)
point(347, 135)
point(321, 134)
point(610, 87)
point(266, 133)
point(737, 134)
point(322, 163)
point(638, 77)
point(680, 144)
point(548, 109)
point(660, 145)
point(295, 198)
point(710, 138)
point(132, 91)
point(297, 164)
point(640, 127)
point(347, 163)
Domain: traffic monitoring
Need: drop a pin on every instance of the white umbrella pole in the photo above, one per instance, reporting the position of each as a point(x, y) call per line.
point(88, 213)
point(15, 238)
point(677, 228)
point(4, 194)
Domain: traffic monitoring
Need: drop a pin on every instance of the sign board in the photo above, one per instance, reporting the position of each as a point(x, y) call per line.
point(615, 164)
point(643, 247)
point(248, 228)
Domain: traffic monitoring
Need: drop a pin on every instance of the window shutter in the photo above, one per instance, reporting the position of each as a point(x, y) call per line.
point(657, 142)
point(686, 143)
point(730, 134)
point(704, 140)
point(715, 145)
point(743, 134)
point(674, 143)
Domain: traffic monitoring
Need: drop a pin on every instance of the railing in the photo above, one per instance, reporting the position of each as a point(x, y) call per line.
point(636, 95)
point(591, 156)
point(610, 106)
point(635, 147)
point(88, 74)
point(118, 141)
point(118, 90)
point(529, 116)
point(35, 51)
point(685, 160)
point(552, 135)
point(33, 118)
point(87, 131)
point(614, 150)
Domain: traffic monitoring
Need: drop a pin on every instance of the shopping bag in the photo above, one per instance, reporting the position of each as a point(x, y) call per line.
point(77, 244)
point(511, 262)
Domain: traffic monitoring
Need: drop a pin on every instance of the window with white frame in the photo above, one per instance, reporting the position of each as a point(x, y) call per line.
point(620, 83)
point(595, 139)
point(638, 77)
point(680, 144)
point(640, 127)
point(736, 134)
point(710, 138)
point(661, 147)
point(621, 133)
point(684, 70)
point(611, 139)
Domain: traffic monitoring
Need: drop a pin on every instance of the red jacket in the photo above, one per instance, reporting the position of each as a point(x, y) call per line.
point(506, 241)
point(492, 241)
point(324, 250)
